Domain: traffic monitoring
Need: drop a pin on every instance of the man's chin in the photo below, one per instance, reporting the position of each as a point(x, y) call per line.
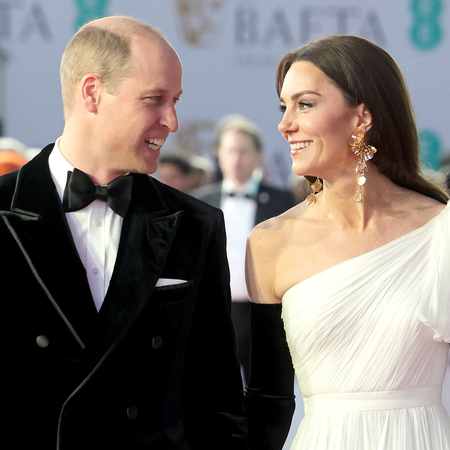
point(145, 169)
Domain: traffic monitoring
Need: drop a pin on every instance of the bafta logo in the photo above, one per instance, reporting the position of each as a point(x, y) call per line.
point(201, 21)
point(196, 137)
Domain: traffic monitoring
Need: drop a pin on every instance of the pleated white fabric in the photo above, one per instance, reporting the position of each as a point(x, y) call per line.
point(369, 342)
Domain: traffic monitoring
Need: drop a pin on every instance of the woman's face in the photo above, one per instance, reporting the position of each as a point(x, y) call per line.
point(317, 122)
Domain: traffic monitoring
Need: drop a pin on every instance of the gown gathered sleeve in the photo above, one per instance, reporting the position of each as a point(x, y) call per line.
point(434, 311)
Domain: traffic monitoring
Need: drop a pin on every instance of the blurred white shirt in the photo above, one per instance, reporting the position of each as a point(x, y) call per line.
point(239, 212)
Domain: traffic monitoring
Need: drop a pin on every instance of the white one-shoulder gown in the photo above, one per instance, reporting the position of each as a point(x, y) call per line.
point(369, 342)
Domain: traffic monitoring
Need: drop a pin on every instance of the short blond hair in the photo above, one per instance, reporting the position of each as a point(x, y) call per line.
point(241, 124)
point(104, 50)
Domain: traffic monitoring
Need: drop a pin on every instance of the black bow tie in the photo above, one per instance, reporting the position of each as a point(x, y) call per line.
point(80, 192)
point(238, 195)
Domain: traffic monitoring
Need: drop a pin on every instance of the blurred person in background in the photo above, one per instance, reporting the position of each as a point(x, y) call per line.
point(246, 200)
point(184, 172)
point(13, 155)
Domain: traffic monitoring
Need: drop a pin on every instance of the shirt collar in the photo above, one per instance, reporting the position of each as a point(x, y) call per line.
point(249, 188)
point(59, 166)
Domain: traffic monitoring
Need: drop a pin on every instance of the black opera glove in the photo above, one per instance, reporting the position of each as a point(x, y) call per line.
point(269, 396)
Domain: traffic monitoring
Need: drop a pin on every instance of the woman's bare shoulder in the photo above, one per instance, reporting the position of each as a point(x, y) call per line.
point(265, 245)
point(278, 224)
point(270, 234)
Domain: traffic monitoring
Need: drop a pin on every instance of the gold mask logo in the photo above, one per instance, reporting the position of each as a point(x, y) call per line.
point(196, 137)
point(201, 21)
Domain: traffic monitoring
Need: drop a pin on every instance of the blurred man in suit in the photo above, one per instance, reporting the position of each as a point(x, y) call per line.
point(118, 303)
point(183, 171)
point(246, 200)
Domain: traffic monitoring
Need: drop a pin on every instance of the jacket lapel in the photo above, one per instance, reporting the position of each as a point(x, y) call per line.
point(39, 224)
point(38, 220)
point(147, 234)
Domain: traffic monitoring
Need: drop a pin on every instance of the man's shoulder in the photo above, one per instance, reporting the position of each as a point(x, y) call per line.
point(205, 192)
point(209, 193)
point(31, 176)
point(8, 179)
point(7, 187)
point(177, 200)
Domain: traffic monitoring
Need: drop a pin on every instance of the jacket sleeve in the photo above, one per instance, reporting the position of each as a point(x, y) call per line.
point(216, 414)
point(269, 396)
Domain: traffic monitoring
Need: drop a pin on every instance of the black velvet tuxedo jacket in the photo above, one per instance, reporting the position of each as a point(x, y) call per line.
point(271, 201)
point(156, 368)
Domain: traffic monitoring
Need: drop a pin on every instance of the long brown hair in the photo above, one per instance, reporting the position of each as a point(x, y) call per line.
point(365, 73)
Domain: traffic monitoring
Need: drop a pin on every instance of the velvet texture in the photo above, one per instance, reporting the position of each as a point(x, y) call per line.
point(269, 396)
point(156, 368)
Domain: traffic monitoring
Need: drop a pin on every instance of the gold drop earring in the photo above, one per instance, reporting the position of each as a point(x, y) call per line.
point(315, 188)
point(364, 152)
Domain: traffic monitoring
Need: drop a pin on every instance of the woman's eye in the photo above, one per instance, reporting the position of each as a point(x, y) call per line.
point(304, 105)
point(282, 108)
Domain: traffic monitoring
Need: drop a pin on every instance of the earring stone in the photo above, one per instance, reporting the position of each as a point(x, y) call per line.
point(364, 153)
point(315, 188)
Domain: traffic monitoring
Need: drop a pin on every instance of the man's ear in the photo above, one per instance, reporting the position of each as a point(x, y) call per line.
point(91, 87)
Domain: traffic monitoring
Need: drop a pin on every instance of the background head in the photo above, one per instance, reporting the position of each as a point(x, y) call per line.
point(183, 171)
point(239, 147)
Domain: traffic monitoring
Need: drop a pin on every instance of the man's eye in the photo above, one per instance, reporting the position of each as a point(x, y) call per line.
point(152, 100)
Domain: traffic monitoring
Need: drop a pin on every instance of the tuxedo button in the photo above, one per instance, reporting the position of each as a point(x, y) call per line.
point(42, 341)
point(132, 412)
point(157, 342)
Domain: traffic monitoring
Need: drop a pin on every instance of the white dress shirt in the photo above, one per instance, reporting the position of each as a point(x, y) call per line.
point(95, 231)
point(239, 212)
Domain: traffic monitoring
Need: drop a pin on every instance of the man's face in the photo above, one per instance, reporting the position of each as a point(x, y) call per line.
point(135, 123)
point(238, 157)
